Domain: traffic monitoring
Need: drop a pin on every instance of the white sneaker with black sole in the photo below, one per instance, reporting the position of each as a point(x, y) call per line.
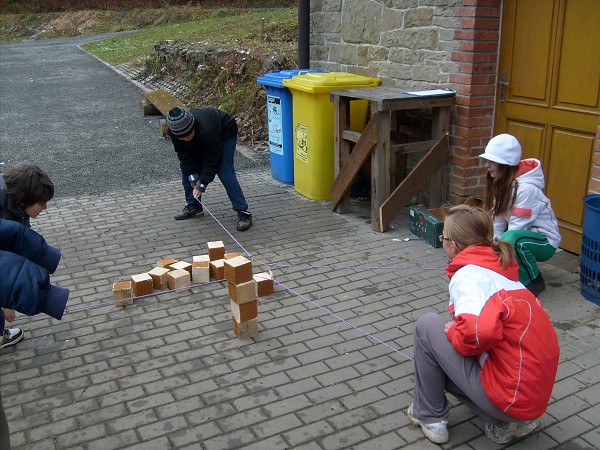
point(11, 336)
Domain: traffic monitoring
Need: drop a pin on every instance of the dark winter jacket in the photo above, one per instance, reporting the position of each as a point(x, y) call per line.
point(202, 154)
point(26, 262)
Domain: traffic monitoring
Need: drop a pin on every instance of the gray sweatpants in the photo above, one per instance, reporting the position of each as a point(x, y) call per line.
point(438, 367)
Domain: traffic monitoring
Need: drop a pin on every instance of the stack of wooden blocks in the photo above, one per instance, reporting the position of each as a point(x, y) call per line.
point(243, 286)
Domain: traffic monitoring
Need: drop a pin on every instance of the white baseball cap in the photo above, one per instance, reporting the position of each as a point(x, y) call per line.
point(503, 149)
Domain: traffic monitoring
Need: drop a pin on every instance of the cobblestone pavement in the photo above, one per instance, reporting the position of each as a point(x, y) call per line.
point(330, 369)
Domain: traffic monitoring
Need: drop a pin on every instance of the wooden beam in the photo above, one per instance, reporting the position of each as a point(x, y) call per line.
point(352, 164)
point(412, 147)
point(433, 161)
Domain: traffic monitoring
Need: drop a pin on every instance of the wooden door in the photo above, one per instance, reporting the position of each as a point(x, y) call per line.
point(549, 96)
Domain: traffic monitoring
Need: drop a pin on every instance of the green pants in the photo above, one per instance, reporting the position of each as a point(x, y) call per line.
point(530, 248)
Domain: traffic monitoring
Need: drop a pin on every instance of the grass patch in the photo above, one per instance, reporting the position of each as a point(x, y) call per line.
point(267, 31)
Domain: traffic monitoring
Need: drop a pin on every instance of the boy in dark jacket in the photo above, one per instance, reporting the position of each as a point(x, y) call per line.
point(26, 262)
point(205, 140)
point(24, 192)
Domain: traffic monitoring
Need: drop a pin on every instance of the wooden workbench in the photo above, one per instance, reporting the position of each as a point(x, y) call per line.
point(384, 140)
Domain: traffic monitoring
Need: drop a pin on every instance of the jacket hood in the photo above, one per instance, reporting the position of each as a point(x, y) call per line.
point(530, 171)
point(482, 256)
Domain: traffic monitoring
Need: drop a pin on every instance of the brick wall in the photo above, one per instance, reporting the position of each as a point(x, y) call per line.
point(475, 82)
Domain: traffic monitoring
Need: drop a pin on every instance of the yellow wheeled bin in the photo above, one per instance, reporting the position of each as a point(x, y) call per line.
point(313, 126)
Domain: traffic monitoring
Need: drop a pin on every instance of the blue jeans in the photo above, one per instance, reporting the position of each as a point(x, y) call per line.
point(226, 174)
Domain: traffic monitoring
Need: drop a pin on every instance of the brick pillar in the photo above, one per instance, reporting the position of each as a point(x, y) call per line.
point(472, 123)
point(594, 187)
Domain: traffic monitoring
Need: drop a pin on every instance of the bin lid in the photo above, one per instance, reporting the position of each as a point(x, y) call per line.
point(329, 81)
point(275, 77)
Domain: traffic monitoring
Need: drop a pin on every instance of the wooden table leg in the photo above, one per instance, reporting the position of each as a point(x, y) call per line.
point(341, 121)
point(438, 183)
point(380, 173)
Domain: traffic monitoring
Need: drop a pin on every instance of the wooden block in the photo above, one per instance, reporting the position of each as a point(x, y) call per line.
point(181, 265)
point(159, 277)
point(142, 284)
point(201, 259)
point(245, 330)
point(242, 293)
point(163, 128)
point(177, 279)
point(217, 269)
point(264, 284)
point(238, 270)
point(231, 255)
point(200, 272)
point(123, 291)
point(245, 311)
point(165, 262)
point(216, 250)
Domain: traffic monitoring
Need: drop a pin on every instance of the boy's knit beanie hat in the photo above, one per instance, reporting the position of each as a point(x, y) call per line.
point(503, 149)
point(180, 121)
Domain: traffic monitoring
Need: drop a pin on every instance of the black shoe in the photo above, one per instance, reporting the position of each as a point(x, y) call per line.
point(244, 220)
point(189, 211)
point(537, 285)
point(10, 337)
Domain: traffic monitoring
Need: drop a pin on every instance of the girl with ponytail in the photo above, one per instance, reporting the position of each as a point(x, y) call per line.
point(498, 353)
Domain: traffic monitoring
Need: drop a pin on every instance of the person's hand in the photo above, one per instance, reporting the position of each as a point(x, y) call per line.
point(9, 315)
point(448, 325)
point(197, 193)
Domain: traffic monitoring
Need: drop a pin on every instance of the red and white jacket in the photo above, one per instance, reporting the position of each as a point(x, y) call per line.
point(501, 323)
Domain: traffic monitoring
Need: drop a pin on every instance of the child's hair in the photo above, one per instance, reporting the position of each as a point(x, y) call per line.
point(28, 185)
point(471, 225)
point(500, 192)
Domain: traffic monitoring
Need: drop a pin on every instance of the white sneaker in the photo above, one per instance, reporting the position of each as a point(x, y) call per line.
point(508, 431)
point(436, 432)
point(11, 336)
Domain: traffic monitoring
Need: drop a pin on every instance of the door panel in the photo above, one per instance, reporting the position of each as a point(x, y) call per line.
point(549, 57)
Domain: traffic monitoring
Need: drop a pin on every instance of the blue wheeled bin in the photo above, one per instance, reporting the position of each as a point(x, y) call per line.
point(280, 122)
point(589, 271)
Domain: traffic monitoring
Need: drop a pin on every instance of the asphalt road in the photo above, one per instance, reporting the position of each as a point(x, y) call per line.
point(80, 121)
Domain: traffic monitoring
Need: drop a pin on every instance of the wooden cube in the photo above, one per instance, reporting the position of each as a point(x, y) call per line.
point(123, 291)
point(245, 311)
point(231, 255)
point(245, 330)
point(177, 279)
point(216, 250)
point(159, 277)
point(238, 270)
point(165, 262)
point(181, 265)
point(242, 293)
point(217, 269)
point(264, 284)
point(200, 272)
point(201, 258)
point(142, 284)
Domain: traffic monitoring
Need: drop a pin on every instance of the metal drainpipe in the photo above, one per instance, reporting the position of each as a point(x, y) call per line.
point(303, 34)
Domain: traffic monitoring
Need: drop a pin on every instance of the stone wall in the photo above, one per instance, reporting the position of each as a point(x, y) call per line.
point(401, 42)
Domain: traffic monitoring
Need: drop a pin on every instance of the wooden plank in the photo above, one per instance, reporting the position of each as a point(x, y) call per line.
point(431, 163)
point(412, 147)
point(380, 167)
point(342, 148)
point(350, 166)
point(163, 101)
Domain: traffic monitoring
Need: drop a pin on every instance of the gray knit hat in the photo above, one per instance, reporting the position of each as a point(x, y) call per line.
point(180, 121)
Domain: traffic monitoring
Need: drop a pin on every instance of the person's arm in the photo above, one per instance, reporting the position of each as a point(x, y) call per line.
point(524, 211)
point(477, 326)
point(21, 240)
